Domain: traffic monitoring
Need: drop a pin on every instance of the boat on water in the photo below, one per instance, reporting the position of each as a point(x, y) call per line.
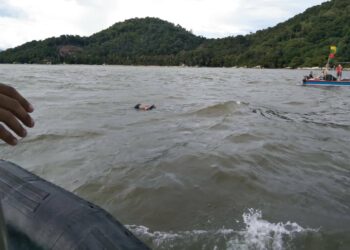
point(320, 82)
point(328, 79)
point(40, 215)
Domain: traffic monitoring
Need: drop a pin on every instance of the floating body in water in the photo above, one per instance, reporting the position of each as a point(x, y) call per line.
point(144, 107)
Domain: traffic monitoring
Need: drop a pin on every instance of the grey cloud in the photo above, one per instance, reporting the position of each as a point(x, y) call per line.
point(6, 10)
point(96, 3)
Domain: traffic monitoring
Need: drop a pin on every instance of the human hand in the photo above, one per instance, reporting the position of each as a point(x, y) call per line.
point(13, 108)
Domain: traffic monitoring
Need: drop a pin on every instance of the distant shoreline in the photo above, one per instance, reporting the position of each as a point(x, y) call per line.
point(170, 66)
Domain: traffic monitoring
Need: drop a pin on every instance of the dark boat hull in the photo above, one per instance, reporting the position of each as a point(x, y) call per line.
point(326, 83)
point(52, 218)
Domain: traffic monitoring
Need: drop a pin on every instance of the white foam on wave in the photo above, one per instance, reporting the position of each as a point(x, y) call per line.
point(257, 234)
point(262, 234)
point(158, 238)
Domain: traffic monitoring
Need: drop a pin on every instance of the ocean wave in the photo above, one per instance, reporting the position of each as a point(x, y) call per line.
point(325, 123)
point(220, 109)
point(256, 233)
point(294, 103)
point(56, 137)
point(272, 114)
point(244, 138)
point(311, 118)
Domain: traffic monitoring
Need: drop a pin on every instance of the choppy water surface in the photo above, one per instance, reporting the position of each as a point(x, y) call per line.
point(230, 159)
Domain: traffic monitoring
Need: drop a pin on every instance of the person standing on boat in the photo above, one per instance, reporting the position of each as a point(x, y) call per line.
point(339, 70)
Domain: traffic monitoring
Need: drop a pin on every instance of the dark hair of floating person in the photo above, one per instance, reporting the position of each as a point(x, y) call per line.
point(140, 106)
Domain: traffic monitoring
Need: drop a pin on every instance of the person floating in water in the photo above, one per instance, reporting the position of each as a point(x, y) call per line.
point(144, 107)
point(339, 70)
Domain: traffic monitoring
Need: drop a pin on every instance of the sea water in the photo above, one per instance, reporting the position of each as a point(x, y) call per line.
point(229, 159)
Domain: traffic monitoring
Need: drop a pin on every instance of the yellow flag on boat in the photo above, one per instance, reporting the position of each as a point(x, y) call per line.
point(333, 49)
point(332, 54)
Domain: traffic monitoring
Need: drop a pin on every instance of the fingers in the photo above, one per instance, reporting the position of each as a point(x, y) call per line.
point(7, 137)
point(17, 109)
point(10, 120)
point(14, 109)
point(13, 93)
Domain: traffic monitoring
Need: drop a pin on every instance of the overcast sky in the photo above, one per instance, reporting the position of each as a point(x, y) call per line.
point(25, 20)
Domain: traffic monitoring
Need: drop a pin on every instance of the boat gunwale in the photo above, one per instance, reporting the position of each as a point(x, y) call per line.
point(345, 82)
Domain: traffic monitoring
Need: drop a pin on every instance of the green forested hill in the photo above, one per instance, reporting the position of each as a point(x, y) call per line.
point(303, 40)
point(140, 41)
point(135, 41)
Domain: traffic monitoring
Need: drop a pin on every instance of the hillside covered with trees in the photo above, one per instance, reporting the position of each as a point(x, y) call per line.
point(303, 40)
